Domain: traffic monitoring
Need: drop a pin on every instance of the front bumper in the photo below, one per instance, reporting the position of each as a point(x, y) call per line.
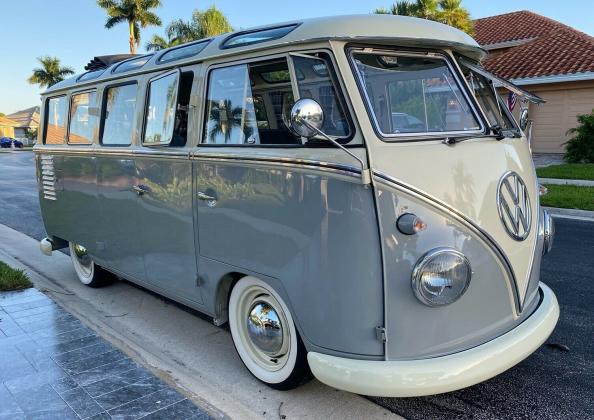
point(440, 374)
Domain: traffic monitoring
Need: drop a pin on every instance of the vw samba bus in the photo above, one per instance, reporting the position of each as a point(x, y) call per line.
point(349, 194)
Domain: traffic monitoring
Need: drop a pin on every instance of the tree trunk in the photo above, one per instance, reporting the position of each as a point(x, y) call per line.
point(132, 38)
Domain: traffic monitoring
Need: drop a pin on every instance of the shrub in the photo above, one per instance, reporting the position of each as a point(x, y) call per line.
point(580, 148)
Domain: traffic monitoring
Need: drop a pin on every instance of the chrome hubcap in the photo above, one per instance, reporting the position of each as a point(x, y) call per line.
point(84, 261)
point(265, 329)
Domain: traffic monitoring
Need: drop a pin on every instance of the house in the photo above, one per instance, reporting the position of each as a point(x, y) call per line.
point(28, 121)
point(548, 58)
point(7, 127)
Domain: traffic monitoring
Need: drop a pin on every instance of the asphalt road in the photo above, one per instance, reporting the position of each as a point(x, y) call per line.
point(557, 381)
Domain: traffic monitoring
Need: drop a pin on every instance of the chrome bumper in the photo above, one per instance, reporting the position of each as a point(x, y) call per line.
point(440, 374)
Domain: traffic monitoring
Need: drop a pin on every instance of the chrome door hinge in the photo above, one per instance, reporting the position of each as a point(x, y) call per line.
point(381, 335)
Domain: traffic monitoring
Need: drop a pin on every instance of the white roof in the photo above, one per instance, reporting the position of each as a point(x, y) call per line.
point(375, 28)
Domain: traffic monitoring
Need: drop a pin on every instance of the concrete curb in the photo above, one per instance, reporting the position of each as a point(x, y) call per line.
point(556, 181)
point(575, 214)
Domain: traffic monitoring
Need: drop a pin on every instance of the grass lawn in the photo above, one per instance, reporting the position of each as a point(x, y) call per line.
point(569, 197)
point(568, 171)
point(11, 279)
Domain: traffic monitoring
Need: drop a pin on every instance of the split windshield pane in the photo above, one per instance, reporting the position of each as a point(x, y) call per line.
point(414, 94)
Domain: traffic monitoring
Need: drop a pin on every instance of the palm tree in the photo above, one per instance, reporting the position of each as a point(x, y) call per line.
point(159, 43)
point(210, 22)
point(449, 12)
point(205, 24)
point(137, 13)
point(452, 13)
point(49, 73)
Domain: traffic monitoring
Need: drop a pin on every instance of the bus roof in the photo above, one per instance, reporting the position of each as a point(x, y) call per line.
point(376, 28)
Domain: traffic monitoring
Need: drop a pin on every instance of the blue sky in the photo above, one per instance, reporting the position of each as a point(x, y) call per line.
point(73, 29)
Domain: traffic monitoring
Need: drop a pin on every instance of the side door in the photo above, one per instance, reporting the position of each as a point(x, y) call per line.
point(164, 174)
point(118, 203)
point(269, 204)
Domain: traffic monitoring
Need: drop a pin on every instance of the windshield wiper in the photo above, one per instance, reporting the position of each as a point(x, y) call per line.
point(497, 133)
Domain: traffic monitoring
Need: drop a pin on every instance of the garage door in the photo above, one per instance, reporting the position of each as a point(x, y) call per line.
point(554, 118)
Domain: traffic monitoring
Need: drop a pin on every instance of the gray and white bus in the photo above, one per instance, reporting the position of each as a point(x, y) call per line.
point(349, 194)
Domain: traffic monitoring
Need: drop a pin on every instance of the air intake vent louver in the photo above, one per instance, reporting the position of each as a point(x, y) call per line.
point(48, 177)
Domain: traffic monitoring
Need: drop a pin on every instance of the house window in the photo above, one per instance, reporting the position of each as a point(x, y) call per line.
point(120, 107)
point(84, 121)
point(55, 120)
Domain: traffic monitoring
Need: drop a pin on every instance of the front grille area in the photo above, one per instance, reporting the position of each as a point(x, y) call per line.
point(48, 177)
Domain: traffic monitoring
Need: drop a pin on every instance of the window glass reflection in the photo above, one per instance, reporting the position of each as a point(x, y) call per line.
point(55, 120)
point(119, 115)
point(160, 113)
point(84, 121)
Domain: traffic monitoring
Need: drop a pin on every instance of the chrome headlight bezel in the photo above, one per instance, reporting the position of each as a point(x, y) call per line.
point(421, 265)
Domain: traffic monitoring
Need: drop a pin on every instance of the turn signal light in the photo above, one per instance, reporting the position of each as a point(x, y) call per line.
point(410, 223)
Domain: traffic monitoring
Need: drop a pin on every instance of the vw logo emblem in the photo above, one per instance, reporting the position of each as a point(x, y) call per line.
point(513, 204)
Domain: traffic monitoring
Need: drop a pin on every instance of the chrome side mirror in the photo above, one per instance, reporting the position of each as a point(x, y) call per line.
point(524, 118)
point(307, 118)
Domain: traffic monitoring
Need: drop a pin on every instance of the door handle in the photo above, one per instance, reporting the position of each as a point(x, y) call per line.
point(211, 201)
point(140, 189)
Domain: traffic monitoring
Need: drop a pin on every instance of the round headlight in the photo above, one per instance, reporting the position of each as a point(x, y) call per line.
point(441, 276)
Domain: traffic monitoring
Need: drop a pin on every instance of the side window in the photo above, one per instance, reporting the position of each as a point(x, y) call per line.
point(160, 110)
point(316, 80)
point(250, 104)
point(84, 121)
point(120, 107)
point(166, 120)
point(55, 120)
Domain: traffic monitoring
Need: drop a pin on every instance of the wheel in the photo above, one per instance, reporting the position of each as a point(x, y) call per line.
point(89, 273)
point(265, 336)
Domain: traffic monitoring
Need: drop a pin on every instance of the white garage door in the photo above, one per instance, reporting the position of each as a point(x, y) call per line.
point(554, 118)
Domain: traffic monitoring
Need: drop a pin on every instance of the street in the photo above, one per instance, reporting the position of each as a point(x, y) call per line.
point(555, 382)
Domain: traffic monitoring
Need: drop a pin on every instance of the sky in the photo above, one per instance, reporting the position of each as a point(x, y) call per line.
point(74, 31)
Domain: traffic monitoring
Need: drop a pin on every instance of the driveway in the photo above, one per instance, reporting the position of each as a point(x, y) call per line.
point(552, 383)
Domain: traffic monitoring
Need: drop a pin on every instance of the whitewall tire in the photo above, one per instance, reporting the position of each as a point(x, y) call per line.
point(265, 336)
point(88, 273)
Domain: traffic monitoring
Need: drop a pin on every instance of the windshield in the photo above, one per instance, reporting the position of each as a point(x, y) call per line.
point(488, 99)
point(410, 93)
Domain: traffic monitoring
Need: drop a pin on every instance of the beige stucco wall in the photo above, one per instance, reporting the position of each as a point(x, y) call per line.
point(552, 119)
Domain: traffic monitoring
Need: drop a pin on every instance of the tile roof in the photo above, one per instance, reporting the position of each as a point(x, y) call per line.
point(551, 48)
point(27, 117)
point(6, 122)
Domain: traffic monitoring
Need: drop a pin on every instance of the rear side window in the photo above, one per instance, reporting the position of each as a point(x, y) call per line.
point(120, 107)
point(161, 109)
point(84, 121)
point(55, 120)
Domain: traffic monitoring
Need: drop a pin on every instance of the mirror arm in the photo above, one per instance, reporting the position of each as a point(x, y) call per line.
point(365, 172)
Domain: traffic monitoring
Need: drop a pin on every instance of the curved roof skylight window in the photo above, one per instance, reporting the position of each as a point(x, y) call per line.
point(241, 39)
point(90, 75)
point(183, 51)
point(133, 64)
